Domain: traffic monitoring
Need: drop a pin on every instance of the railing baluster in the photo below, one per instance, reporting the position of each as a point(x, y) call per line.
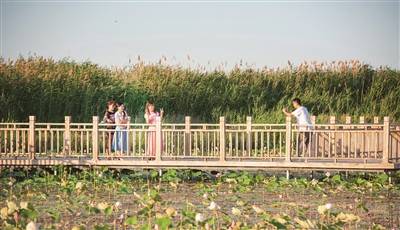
point(12, 142)
point(376, 140)
point(236, 143)
point(348, 121)
point(280, 144)
point(17, 141)
point(1, 140)
point(40, 142)
point(23, 143)
point(46, 137)
point(128, 133)
point(222, 132)
point(332, 145)
point(202, 140)
point(362, 147)
point(81, 131)
point(158, 139)
point(268, 143)
point(178, 137)
point(313, 138)
point(230, 144)
point(134, 143)
point(76, 140)
point(95, 139)
point(87, 141)
point(103, 137)
point(140, 142)
point(58, 141)
point(288, 138)
point(6, 141)
point(255, 143)
point(196, 147)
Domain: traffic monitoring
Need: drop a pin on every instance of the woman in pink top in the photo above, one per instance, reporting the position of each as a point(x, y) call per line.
point(150, 115)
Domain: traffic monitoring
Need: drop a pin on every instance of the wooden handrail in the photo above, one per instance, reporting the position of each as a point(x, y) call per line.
point(363, 142)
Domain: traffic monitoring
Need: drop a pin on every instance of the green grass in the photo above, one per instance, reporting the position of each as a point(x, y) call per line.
point(52, 89)
point(67, 198)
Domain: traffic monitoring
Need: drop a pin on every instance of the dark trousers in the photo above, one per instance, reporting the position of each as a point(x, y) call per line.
point(109, 137)
point(303, 140)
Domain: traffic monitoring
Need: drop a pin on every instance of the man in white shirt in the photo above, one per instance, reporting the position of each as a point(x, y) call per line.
point(303, 123)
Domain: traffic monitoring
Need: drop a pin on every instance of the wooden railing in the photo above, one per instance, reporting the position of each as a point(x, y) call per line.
point(358, 146)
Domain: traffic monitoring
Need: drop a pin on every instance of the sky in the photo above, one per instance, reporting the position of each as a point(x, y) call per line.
point(260, 33)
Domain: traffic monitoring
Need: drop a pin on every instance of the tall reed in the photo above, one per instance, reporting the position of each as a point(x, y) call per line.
point(51, 89)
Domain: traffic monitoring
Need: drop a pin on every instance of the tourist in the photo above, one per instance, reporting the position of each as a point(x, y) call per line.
point(120, 137)
point(303, 123)
point(109, 119)
point(151, 115)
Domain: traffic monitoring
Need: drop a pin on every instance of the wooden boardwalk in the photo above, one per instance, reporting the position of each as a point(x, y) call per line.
point(348, 146)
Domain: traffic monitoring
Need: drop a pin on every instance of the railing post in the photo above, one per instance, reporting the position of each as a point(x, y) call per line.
point(187, 137)
point(158, 139)
point(67, 135)
point(376, 120)
point(222, 138)
point(348, 120)
point(31, 137)
point(386, 140)
point(248, 130)
point(362, 120)
point(95, 139)
point(288, 141)
point(332, 120)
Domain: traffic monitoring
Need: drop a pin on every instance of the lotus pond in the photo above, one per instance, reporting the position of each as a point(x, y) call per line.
point(70, 198)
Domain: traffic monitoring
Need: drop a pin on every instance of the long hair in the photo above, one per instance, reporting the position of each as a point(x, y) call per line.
point(297, 100)
point(111, 102)
point(146, 108)
point(120, 104)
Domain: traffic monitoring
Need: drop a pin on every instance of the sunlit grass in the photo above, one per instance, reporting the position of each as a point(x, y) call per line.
point(52, 89)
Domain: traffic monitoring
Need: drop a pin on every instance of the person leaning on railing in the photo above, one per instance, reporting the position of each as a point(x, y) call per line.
point(303, 123)
point(109, 118)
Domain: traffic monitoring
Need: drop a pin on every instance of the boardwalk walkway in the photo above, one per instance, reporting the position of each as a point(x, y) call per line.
point(349, 146)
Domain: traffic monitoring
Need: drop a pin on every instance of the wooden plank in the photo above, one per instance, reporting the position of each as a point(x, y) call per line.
point(200, 163)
